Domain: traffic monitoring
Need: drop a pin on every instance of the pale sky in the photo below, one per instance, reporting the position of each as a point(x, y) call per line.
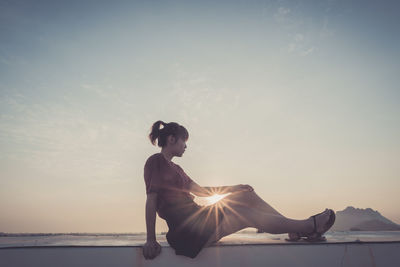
point(299, 99)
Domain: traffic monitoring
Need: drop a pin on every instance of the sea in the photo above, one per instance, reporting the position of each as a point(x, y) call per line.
point(138, 239)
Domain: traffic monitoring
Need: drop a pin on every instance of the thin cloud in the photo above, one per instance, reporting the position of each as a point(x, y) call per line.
point(56, 138)
point(300, 45)
point(281, 14)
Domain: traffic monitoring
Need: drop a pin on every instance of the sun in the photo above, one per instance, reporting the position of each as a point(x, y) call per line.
point(214, 198)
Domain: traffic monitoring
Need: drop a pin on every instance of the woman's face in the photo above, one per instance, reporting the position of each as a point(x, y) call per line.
point(179, 147)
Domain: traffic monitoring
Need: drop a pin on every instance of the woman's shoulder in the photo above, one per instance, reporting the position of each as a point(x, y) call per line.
point(154, 157)
point(157, 159)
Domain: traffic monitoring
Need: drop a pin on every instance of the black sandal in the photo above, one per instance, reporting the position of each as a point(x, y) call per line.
point(314, 236)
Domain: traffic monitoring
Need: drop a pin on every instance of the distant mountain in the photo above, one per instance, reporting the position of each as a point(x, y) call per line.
point(354, 219)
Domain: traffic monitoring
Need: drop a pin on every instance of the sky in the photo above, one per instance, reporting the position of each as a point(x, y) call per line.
point(299, 99)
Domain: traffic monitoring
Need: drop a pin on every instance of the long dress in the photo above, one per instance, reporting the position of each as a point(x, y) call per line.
point(190, 225)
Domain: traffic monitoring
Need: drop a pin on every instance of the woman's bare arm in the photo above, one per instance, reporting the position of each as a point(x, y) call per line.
point(151, 204)
point(151, 248)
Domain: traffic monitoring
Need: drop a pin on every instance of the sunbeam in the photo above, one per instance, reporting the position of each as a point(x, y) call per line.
point(214, 198)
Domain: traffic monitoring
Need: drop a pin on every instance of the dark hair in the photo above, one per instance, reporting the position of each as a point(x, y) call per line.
point(172, 128)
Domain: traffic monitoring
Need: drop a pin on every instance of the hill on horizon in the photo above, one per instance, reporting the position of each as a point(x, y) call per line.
point(355, 219)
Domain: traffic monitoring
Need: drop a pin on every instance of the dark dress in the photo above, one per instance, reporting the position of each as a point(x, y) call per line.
point(190, 225)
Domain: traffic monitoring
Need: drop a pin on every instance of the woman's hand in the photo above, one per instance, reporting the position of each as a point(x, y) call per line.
point(151, 249)
point(241, 187)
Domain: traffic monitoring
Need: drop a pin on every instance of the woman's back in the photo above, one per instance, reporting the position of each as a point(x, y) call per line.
point(171, 184)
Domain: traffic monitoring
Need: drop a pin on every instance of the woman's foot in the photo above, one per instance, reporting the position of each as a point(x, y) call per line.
point(321, 220)
point(318, 225)
point(321, 228)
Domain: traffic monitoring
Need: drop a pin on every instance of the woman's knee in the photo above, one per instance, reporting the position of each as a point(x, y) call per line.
point(243, 194)
point(242, 197)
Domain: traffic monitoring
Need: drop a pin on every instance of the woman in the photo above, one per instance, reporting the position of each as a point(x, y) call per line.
point(191, 226)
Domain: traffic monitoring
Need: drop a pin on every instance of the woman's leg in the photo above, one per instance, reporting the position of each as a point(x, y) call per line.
point(254, 200)
point(247, 209)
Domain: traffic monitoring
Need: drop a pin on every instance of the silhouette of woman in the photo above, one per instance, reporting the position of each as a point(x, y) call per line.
point(192, 226)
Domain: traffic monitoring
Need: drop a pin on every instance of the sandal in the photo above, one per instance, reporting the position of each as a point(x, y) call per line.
point(314, 236)
point(297, 236)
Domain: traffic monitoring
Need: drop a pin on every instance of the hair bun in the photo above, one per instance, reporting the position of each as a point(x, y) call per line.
point(161, 134)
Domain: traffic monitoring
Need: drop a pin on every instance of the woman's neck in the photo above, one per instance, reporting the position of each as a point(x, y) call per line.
point(167, 156)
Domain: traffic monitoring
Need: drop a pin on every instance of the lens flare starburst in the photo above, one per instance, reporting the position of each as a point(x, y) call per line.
point(214, 199)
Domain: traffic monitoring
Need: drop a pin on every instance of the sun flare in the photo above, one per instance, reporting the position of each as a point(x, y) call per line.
point(214, 198)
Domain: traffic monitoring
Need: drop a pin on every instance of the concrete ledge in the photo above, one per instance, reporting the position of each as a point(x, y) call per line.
point(385, 254)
